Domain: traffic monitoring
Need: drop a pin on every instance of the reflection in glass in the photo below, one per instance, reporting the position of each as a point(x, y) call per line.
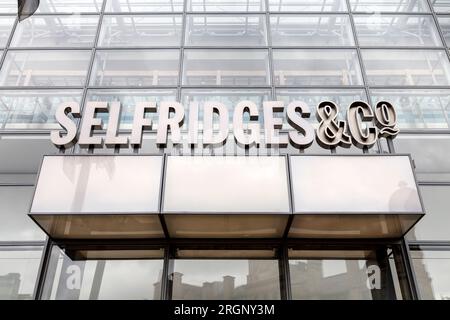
point(307, 5)
point(33, 109)
point(343, 275)
point(225, 279)
point(18, 272)
point(417, 108)
point(69, 279)
point(406, 67)
point(128, 99)
point(396, 30)
point(434, 225)
point(135, 68)
point(441, 6)
point(140, 31)
point(311, 30)
point(69, 6)
point(136, 6)
point(444, 23)
point(8, 6)
point(6, 24)
point(226, 30)
point(430, 153)
point(14, 206)
point(45, 68)
point(56, 31)
point(431, 272)
point(225, 6)
point(316, 67)
point(226, 67)
point(389, 6)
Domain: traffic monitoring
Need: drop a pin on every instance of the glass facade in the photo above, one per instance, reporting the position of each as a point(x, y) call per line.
point(197, 50)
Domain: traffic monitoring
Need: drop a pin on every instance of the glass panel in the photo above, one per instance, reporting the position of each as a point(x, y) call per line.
point(19, 268)
point(144, 6)
point(69, 6)
point(343, 275)
point(69, 279)
point(135, 68)
point(431, 154)
point(444, 23)
point(140, 31)
point(220, 30)
point(389, 5)
point(21, 156)
point(129, 98)
point(226, 67)
point(242, 185)
point(431, 269)
point(6, 24)
point(418, 108)
point(8, 6)
point(56, 31)
point(441, 6)
point(389, 186)
point(14, 206)
point(434, 225)
point(391, 30)
point(316, 67)
point(225, 6)
point(311, 30)
point(225, 279)
point(307, 5)
point(406, 67)
point(33, 109)
point(99, 191)
point(45, 68)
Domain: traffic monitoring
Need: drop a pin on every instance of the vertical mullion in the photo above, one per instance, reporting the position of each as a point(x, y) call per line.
point(182, 40)
point(45, 259)
point(270, 51)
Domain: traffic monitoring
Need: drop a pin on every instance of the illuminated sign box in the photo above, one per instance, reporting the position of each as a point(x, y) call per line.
point(99, 197)
point(352, 196)
point(226, 197)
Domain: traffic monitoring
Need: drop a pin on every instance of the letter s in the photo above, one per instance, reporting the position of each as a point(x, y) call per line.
point(67, 123)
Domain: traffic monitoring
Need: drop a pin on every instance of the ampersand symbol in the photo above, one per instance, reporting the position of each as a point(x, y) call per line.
point(331, 132)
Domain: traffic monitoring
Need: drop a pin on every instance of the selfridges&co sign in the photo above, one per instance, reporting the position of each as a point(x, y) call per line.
point(362, 127)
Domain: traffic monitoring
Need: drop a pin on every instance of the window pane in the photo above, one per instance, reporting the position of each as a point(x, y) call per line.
point(102, 279)
point(144, 6)
point(45, 68)
point(33, 109)
point(431, 154)
point(406, 67)
point(219, 30)
point(307, 5)
point(389, 6)
point(136, 31)
point(316, 67)
point(225, 6)
point(343, 275)
point(226, 67)
point(135, 68)
point(418, 108)
point(14, 206)
point(56, 31)
point(129, 99)
point(441, 6)
point(444, 23)
point(311, 30)
point(18, 272)
point(391, 30)
point(8, 6)
point(21, 156)
point(434, 225)
point(230, 98)
point(431, 268)
point(69, 6)
point(225, 279)
point(6, 24)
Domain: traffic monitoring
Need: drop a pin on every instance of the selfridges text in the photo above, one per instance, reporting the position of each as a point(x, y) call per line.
point(362, 127)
